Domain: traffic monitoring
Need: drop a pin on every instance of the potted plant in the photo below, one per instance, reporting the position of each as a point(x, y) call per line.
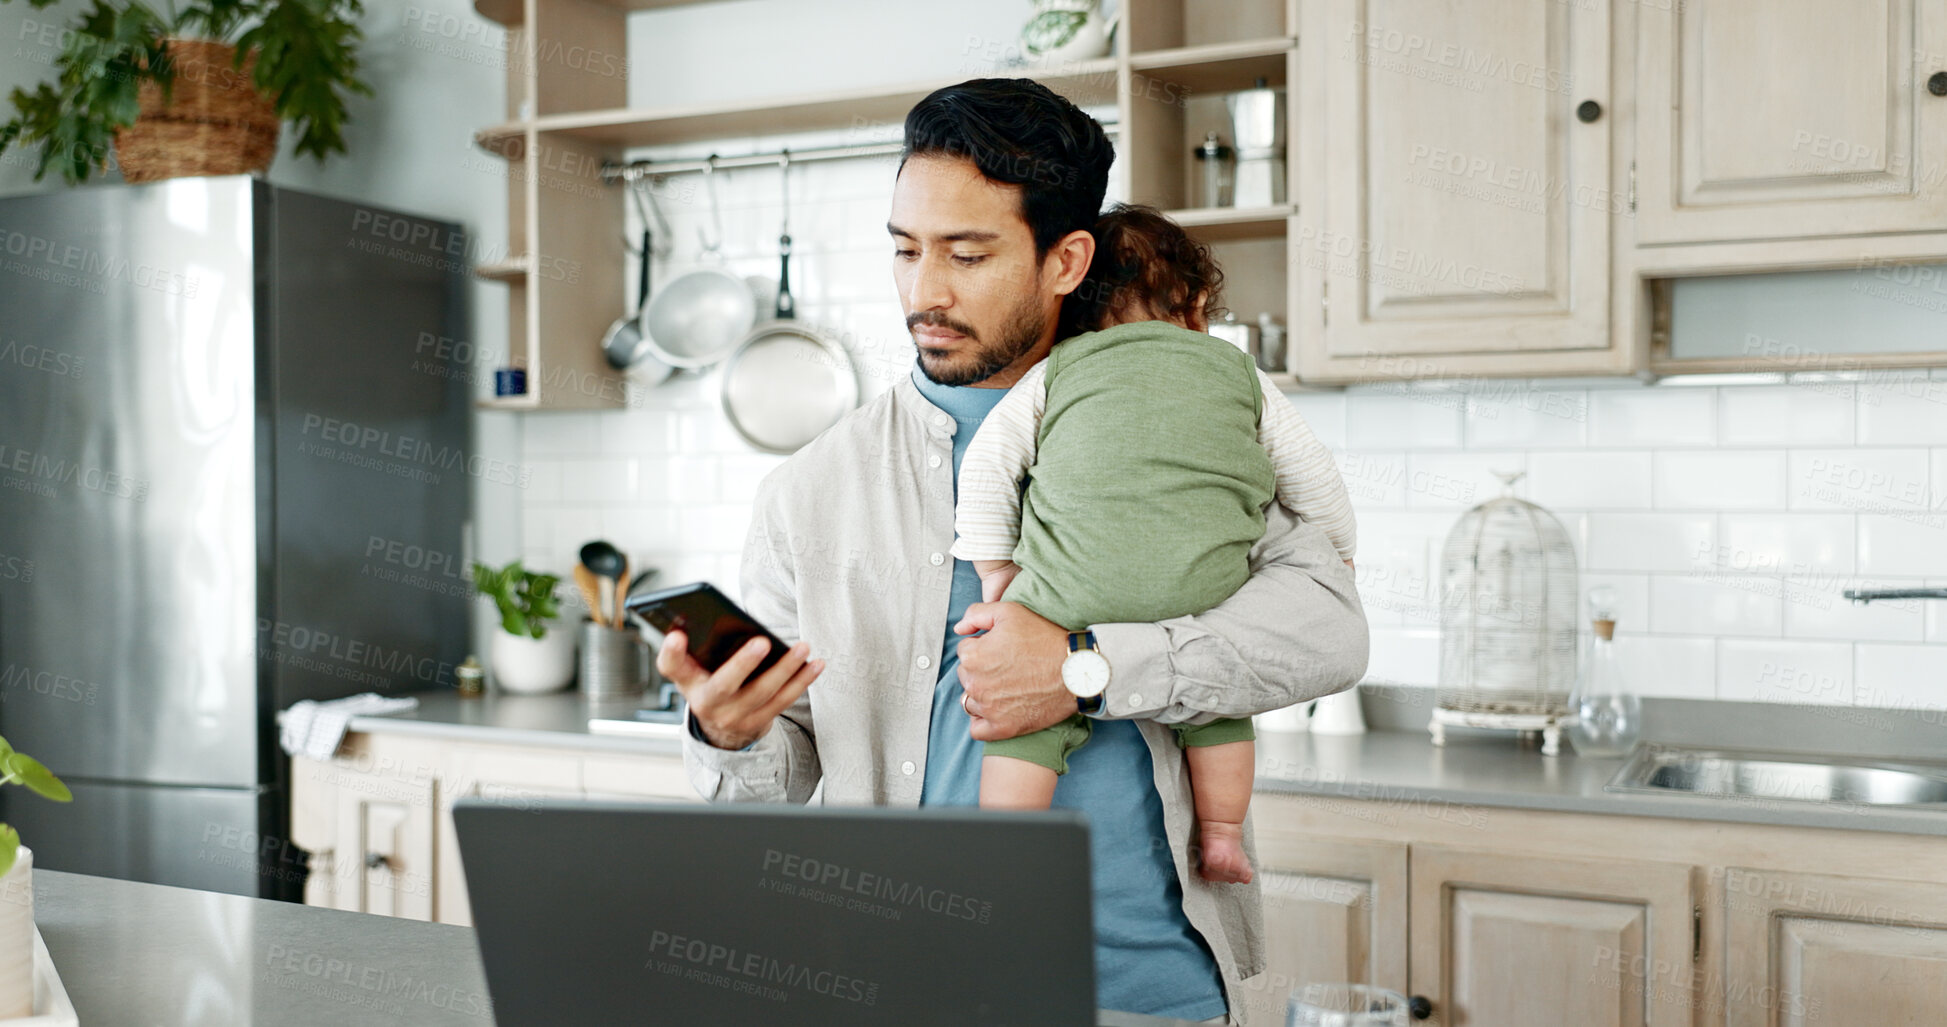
point(200, 90)
point(527, 658)
point(17, 885)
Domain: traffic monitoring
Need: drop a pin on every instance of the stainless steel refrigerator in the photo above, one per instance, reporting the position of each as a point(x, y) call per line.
point(235, 467)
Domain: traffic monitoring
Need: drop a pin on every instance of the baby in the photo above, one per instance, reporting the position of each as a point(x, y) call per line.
point(1149, 452)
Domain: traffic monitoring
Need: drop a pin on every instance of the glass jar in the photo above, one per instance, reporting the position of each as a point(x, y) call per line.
point(1606, 715)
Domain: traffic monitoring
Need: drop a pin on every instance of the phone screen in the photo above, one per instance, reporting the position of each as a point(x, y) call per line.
point(716, 627)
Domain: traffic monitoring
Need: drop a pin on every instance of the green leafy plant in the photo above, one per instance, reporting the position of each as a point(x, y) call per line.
point(307, 63)
point(525, 599)
point(22, 769)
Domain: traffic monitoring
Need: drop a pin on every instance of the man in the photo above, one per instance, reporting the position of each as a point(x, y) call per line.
point(847, 551)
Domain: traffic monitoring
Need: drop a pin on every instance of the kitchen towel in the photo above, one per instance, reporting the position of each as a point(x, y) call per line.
point(313, 729)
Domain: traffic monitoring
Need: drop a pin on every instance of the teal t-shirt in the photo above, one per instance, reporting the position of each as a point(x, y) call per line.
point(1148, 959)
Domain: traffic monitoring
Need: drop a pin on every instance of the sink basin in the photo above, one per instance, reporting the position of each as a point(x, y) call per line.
point(1792, 777)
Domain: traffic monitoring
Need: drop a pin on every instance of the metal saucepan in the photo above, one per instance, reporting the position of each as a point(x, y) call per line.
point(786, 383)
point(625, 346)
point(696, 320)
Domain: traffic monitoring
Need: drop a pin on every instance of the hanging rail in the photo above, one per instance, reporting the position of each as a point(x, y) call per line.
point(613, 173)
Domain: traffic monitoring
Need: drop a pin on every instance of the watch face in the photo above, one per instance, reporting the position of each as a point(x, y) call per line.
point(1085, 673)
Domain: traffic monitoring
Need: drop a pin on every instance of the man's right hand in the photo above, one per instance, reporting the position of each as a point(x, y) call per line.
point(730, 711)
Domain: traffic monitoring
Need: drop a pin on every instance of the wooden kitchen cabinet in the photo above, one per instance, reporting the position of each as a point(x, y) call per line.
point(1334, 911)
point(1812, 948)
point(1459, 186)
point(377, 818)
point(1761, 119)
point(1517, 941)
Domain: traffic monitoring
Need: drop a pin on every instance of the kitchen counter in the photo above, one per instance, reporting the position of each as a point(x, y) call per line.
point(133, 953)
point(1406, 768)
point(1395, 766)
point(559, 719)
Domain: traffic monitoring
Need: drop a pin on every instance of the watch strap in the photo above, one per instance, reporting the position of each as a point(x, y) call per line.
point(1079, 640)
point(1089, 706)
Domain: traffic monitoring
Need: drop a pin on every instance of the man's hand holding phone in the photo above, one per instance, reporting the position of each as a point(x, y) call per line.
point(733, 709)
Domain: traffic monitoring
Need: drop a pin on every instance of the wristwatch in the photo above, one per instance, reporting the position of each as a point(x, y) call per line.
point(1085, 672)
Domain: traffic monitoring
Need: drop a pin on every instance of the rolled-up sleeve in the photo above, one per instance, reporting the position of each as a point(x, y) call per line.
point(783, 765)
point(1294, 631)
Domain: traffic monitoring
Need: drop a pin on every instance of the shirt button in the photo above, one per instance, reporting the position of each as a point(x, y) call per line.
point(923, 663)
point(938, 559)
point(907, 768)
point(940, 420)
point(1135, 702)
point(933, 460)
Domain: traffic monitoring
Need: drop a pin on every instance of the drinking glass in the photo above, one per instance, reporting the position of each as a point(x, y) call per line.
point(1345, 1005)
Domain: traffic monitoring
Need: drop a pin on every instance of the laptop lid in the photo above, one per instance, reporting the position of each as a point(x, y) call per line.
point(620, 912)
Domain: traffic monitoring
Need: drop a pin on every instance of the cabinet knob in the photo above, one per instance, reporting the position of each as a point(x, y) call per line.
point(1588, 111)
point(374, 860)
point(1937, 83)
point(1418, 1005)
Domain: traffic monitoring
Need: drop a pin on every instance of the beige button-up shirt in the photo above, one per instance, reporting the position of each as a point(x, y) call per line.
point(848, 551)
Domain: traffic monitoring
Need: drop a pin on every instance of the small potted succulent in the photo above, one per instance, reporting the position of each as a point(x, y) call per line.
point(526, 657)
point(197, 89)
point(17, 885)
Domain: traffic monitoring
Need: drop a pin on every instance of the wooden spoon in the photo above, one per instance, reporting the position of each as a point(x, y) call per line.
point(591, 592)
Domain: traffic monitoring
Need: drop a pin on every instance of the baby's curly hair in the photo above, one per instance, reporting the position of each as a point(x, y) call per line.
point(1146, 267)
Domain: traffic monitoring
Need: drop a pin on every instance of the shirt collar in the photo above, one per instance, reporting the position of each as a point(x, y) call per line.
point(943, 408)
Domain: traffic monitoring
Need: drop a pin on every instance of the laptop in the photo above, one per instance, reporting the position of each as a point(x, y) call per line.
point(597, 912)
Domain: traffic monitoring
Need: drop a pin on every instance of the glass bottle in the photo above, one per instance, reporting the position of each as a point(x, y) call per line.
point(1216, 159)
point(1606, 715)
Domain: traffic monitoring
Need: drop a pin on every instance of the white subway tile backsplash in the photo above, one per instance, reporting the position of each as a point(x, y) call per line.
point(1374, 480)
point(1590, 480)
point(1404, 658)
point(1636, 418)
point(1814, 414)
point(560, 434)
point(1775, 670)
point(1901, 676)
point(741, 474)
point(1858, 480)
point(1325, 413)
point(1796, 545)
point(1720, 480)
point(1650, 541)
point(1903, 543)
point(1457, 481)
point(1715, 604)
point(640, 530)
point(1938, 500)
point(1632, 600)
point(1381, 420)
point(1903, 411)
point(1676, 668)
point(599, 481)
point(1527, 415)
point(639, 432)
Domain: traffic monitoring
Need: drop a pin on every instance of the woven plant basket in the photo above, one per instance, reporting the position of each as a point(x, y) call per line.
point(216, 122)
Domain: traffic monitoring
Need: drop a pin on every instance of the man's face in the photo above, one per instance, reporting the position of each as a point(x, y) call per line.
point(975, 297)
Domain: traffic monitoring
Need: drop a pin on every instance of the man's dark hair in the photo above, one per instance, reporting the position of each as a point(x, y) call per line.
point(1019, 132)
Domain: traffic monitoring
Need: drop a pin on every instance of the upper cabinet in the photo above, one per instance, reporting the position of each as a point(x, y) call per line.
point(1458, 194)
point(1777, 119)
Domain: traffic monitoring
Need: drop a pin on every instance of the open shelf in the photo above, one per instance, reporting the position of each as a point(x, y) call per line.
point(1220, 224)
point(1217, 67)
point(1086, 83)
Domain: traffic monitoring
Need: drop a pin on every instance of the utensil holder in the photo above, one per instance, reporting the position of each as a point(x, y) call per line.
point(615, 662)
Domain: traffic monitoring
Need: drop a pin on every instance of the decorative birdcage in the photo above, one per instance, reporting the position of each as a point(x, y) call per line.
point(1507, 620)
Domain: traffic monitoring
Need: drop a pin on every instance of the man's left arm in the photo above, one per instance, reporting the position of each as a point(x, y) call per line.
point(1293, 632)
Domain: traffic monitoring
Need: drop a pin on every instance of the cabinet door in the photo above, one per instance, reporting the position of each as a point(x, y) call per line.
point(383, 859)
point(637, 777)
point(1510, 941)
point(1334, 912)
point(1808, 949)
point(1453, 203)
point(1766, 119)
point(516, 778)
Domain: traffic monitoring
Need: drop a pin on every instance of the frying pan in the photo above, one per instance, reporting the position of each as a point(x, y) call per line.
point(624, 345)
point(786, 382)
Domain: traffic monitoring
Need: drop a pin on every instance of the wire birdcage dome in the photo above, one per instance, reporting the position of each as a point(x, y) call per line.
point(1507, 619)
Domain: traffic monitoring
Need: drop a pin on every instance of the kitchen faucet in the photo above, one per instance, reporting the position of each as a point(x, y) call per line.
point(1867, 595)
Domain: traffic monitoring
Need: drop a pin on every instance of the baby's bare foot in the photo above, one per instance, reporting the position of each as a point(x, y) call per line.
point(1224, 861)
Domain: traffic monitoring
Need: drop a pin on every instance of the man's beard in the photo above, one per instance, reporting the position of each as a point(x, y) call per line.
point(983, 358)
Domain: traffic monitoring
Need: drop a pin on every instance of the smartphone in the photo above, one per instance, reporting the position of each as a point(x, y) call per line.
point(716, 627)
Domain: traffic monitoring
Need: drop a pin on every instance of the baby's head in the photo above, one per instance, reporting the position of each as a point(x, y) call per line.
point(1146, 268)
